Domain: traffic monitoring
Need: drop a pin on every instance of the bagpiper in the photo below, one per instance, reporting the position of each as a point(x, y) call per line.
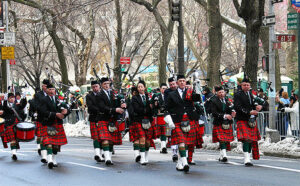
point(223, 114)
point(246, 113)
point(142, 129)
point(37, 116)
point(182, 117)
point(172, 87)
point(109, 108)
point(52, 130)
point(93, 110)
point(11, 115)
point(158, 105)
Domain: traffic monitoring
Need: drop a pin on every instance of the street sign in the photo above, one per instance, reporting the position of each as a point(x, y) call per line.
point(296, 5)
point(277, 45)
point(124, 60)
point(9, 38)
point(268, 20)
point(292, 21)
point(8, 53)
point(285, 38)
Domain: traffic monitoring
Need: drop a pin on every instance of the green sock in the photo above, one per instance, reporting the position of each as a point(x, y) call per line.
point(43, 147)
point(142, 148)
point(49, 150)
point(13, 147)
point(96, 144)
point(163, 138)
point(222, 145)
point(105, 147)
point(136, 146)
point(250, 147)
point(111, 148)
point(38, 141)
point(245, 146)
point(147, 148)
point(100, 145)
point(182, 151)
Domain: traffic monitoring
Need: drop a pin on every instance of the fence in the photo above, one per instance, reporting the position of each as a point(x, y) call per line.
point(284, 124)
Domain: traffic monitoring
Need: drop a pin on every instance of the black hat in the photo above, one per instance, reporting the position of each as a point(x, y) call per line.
point(180, 77)
point(218, 88)
point(142, 82)
point(104, 79)
point(206, 89)
point(246, 80)
point(94, 82)
point(162, 84)
point(171, 79)
point(18, 94)
point(46, 81)
point(133, 89)
point(10, 95)
point(50, 85)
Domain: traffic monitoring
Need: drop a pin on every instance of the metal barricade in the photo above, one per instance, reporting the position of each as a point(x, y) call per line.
point(75, 116)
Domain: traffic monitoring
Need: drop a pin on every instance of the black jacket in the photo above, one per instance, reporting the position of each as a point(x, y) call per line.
point(177, 106)
point(217, 110)
point(93, 108)
point(140, 111)
point(161, 106)
point(49, 110)
point(9, 114)
point(107, 107)
point(37, 104)
point(242, 105)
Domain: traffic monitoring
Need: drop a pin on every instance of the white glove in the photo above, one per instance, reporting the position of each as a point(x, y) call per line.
point(168, 120)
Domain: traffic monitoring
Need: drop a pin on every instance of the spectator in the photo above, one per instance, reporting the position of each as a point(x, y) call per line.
point(294, 112)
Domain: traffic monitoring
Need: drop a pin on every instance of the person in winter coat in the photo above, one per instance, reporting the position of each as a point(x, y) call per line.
point(294, 113)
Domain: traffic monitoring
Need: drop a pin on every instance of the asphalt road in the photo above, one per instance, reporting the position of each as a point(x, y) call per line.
point(77, 167)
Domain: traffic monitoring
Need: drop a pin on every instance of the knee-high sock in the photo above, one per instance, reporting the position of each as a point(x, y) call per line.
point(182, 151)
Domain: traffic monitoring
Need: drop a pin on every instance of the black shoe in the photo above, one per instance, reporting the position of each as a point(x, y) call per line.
point(108, 162)
point(43, 160)
point(224, 160)
point(55, 165)
point(191, 163)
point(144, 164)
point(248, 164)
point(113, 152)
point(102, 155)
point(164, 151)
point(186, 168)
point(39, 151)
point(97, 158)
point(175, 158)
point(14, 157)
point(50, 165)
point(138, 158)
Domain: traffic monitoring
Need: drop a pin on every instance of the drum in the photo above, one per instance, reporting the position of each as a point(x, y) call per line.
point(25, 132)
point(1, 126)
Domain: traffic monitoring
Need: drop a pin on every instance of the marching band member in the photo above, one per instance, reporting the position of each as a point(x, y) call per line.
point(142, 130)
point(223, 115)
point(182, 111)
point(52, 130)
point(93, 110)
point(172, 87)
point(36, 111)
point(246, 112)
point(12, 118)
point(158, 103)
point(109, 109)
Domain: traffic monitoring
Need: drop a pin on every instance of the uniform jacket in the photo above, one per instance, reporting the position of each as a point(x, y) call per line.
point(93, 108)
point(243, 106)
point(9, 114)
point(140, 111)
point(37, 104)
point(176, 106)
point(107, 106)
point(218, 111)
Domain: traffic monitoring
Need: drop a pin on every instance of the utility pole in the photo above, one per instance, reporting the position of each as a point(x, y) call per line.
point(177, 16)
point(7, 61)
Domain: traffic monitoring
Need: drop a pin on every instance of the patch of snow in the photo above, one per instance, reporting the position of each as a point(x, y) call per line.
point(79, 129)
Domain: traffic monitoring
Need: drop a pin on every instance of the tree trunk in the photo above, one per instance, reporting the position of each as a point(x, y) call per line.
point(163, 52)
point(215, 42)
point(119, 44)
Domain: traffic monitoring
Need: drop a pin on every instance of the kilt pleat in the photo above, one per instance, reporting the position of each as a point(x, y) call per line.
point(94, 131)
point(59, 139)
point(9, 133)
point(38, 128)
point(188, 138)
point(222, 135)
point(245, 133)
point(199, 134)
point(136, 132)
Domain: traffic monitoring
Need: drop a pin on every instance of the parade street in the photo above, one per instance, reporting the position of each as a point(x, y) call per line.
point(77, 167)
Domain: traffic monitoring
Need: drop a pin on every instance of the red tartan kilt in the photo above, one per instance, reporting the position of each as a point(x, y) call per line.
point(199, 134)
point(160, 120)
point(160, 130)
point(219, 134)
point(178, 136)
point(59, 139)
point(1, 129)
point(9, 134)
point(104, 133)
point(136, 132)
point(94, 131)
point(244, 132)
point(38, 126)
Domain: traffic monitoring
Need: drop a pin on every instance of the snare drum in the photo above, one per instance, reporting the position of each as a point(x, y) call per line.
point(25, 132)
point(1, 126)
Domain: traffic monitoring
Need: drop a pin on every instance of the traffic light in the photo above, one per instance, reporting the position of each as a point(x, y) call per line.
point(265, 63)
point(176, 8)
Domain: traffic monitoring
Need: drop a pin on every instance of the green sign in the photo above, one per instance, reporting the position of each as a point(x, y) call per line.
point(292, 21)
